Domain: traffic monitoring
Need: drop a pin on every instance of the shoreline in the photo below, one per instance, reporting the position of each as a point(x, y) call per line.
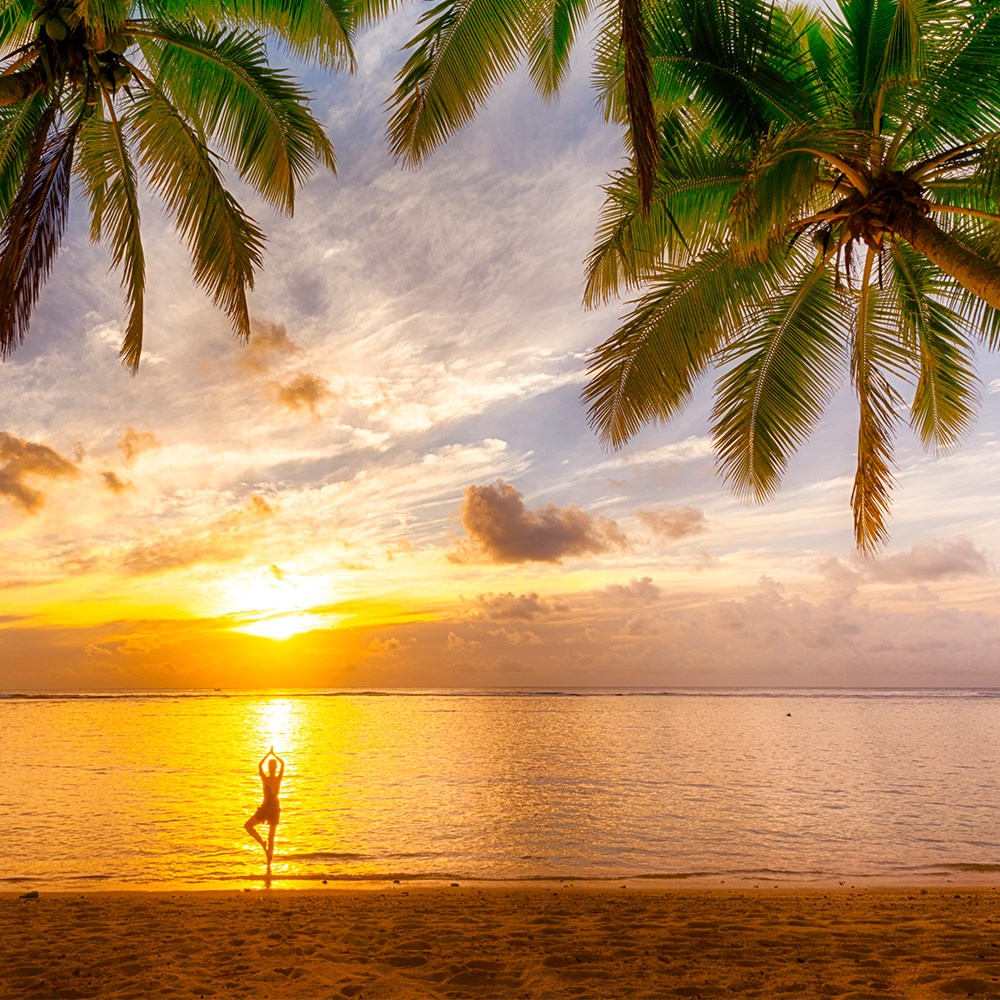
point(985, 879)
point(551, 939)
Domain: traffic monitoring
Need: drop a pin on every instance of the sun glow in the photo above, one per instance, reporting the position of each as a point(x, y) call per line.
point(283, 627)
point(276, 604)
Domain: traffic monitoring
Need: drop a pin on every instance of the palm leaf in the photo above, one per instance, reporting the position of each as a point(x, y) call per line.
point(646, 370)
point(945, 395)
point(873, 352)
point(740, 59)
point(17, 125)
point(222, 80)
point(551, 38)
point(317, 30)
point(33, 227)
point(226, 245)
point(463, 50)
point(105, 165)
point(16, 25)
point(696, 183)
point(783, 372)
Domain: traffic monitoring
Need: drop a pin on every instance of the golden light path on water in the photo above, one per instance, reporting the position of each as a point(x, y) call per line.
point(141, 790)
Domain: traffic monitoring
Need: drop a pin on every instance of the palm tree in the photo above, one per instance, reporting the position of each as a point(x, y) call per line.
point(464, 48)
point(825, 207)
point(107, 91)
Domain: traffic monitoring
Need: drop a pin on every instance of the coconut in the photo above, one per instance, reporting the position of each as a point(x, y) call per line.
point(122, 74)
point(56, 29)
point(118, 45)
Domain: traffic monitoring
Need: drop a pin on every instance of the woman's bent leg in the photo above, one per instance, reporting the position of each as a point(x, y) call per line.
point(251, 828)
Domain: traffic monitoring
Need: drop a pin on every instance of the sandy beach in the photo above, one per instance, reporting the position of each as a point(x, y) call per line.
point(548, 940)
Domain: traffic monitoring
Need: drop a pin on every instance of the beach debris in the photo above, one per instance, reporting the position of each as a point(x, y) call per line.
point(454, 885)
point(30, 895)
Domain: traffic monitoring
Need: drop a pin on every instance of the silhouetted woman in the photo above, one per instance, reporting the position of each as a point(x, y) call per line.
point(269, 810)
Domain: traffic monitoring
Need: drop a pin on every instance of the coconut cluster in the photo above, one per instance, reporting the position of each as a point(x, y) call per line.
point(75, 52)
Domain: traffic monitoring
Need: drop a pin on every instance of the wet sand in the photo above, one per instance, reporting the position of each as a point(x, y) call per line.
point(547, 940)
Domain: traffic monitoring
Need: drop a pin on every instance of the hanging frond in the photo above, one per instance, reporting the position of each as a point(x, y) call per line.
point(17, 126)
point(944, 401)
point(551, 38)
point(646, 370)
point(260, 115)
point(33, 226)
point(463, 50)
point(226, 245)
point(695, 187)
point(105, 166)
point(872, 352)
point(781, 374)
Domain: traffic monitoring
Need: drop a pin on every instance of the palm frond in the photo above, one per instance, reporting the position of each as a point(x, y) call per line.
point(222, 79)
point(872, 351)
point(108, 173)
point(16, 25)
point(17, 125)
point(696, 183)
point(226, 245)
point(645, 371)
point(741, 60)
point(463, 50)
point(778, 186)
point(33, 226)
point(551, 39)
point(316, 30)
point(783, 371)
point(944, 401)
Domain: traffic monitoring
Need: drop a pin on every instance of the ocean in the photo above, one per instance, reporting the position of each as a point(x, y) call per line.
point(151, 789)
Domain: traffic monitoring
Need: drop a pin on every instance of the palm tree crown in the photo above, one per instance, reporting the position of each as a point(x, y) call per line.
point(106, 91)
point(825, 206)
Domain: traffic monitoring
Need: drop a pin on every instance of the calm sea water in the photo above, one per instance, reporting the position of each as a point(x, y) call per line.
point(137, 789)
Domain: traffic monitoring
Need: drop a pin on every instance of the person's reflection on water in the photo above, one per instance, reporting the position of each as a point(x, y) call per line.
point(269, 810)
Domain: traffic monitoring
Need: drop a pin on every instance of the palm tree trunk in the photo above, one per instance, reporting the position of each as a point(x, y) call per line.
point(20, 86)
point(973, 272)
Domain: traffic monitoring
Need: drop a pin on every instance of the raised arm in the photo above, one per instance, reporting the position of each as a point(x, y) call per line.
point(281, 764)
point(260, 766)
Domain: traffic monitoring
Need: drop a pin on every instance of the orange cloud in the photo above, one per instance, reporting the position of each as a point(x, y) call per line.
point(673, 522)
point(21, 460)
point(304, 392)
point(114, 482)
point(511, 607)
point(268, 342)
point(501, 529)
point(133, 443)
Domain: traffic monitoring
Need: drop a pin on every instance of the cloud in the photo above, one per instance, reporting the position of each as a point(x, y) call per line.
point(517, 637)
point(113, 482)
point(932, 561)
point(456, 644)
point(511, 607)
point(303, 392)
point(673, 522)
point(637, 591)
point(502, 530)
point(269, 343)
point(21, 460)
point(133, 443)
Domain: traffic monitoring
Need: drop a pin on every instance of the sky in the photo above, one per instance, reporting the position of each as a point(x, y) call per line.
point(395, 484)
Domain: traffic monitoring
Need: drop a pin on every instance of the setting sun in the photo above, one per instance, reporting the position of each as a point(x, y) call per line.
point(285, 626)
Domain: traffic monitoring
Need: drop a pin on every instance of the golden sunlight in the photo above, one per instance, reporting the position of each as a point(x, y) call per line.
point(285, 626)
point(276, 604)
